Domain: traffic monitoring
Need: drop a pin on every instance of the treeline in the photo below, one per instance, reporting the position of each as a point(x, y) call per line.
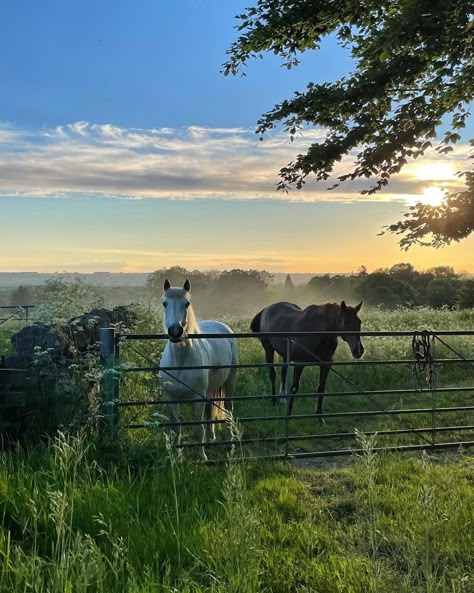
point(244, 291)
point(399, 286)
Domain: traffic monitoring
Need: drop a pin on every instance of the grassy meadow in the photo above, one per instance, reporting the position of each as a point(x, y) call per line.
point(387, 523)
point(138, 516)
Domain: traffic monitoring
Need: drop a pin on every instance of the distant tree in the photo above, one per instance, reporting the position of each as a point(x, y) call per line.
point(62, 299)
point(289, 283)
point(403, 271)
point(328, 287)
point(443, 272)
point(23, 295)
point(177, 275)
point(240, 290)
point(362, 271)
point(441, 292)
point(413, 67)
point(381, 288)
point(465, 294)
point(243, 280)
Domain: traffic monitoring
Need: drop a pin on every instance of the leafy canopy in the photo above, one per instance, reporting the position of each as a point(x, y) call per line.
point(413, 66)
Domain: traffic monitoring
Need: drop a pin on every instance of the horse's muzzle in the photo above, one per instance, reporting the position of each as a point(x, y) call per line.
point(358, 351)
point(176, 333)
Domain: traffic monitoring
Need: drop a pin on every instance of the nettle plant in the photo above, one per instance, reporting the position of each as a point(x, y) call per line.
point(64, 395)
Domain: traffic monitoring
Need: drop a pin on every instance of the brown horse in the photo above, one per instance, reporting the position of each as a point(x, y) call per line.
point(287, 317)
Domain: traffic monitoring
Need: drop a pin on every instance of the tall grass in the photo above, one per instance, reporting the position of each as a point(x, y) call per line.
point(386, 524)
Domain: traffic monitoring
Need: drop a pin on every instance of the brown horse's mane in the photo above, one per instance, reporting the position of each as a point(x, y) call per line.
point(327, 312)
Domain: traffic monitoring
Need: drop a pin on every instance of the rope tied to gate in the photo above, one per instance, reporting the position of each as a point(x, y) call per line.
point(423, 359)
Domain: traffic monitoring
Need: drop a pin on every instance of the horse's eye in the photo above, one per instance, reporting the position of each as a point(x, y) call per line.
point(164, 303)
point(187, 304)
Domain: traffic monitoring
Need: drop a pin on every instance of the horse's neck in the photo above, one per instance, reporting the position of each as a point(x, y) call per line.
point(325, 317)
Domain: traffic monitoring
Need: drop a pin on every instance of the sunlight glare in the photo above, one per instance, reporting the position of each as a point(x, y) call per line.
point(433, 196)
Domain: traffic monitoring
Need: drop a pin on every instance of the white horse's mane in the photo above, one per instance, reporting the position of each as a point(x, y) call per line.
point(193, 325)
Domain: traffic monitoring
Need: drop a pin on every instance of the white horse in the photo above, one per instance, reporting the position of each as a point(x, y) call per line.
point(201, 385)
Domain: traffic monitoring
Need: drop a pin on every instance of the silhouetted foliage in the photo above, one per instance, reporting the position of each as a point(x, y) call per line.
point(400, 285)
point(176, 275)
point(413, 66)
point(465, 294)
point(441, 292)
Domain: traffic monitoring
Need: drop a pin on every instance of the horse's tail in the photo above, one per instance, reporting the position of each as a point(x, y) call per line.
point(255, 323)
point(218, 409)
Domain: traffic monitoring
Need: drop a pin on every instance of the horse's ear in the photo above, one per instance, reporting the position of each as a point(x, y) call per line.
point(187, 285)
point(343, 306)
point(358, 307)
point(166, 284)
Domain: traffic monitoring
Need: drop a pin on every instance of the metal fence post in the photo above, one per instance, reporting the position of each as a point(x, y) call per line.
point(433, 393)
point(107, 355)
point(287, 396)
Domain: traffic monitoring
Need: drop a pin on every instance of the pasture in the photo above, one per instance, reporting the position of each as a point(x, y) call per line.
point(137, 515)
point(255, 382)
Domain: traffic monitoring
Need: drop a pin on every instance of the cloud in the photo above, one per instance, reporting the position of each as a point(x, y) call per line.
point(187, 163)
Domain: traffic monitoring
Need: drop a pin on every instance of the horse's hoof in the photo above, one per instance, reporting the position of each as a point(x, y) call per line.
point(320, 418)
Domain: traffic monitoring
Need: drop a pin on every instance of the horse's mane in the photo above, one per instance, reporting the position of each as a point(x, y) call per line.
point(193, 325)
point(328, 313)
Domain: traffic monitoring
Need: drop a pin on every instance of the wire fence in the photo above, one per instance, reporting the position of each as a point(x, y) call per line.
point(434, 411)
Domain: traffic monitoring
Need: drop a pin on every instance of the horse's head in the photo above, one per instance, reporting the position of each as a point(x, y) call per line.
point(176, 302)
point(350, 322)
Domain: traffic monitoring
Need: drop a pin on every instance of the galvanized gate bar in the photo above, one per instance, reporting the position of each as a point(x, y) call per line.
point(246, 335)
point(159, 402)
point(265, 365)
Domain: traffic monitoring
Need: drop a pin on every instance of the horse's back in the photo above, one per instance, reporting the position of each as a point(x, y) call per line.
point(279, 317)
point(214, 327)
point(220, 347)
point(289, 317)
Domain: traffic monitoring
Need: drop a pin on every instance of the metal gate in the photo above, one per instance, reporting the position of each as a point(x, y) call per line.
point(433, 410)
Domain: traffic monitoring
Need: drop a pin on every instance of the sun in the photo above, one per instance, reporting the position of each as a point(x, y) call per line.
point(432, 196)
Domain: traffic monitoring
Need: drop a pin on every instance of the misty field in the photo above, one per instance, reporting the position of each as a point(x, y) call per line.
point(138, 516)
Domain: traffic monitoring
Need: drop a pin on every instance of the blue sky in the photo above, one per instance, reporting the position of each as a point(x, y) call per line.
point(147, 63)
point(123, 147)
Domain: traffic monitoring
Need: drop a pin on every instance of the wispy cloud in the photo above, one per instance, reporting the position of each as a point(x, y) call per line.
point(193, 162)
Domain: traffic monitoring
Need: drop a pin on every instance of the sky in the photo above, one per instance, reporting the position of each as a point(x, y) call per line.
point(124, 148)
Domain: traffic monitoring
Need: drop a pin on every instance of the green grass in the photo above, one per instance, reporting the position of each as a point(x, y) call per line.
point(386, 524)
point(140, 517)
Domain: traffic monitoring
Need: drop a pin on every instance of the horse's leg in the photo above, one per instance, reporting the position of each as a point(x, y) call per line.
point(297, 370)
point(323, 375)
point(283, 379)
point(211, 428)
point(199, 414)
point(174, 417)
point(269, 357)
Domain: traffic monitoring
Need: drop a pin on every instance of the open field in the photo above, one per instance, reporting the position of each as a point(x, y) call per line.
point(137, 517)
